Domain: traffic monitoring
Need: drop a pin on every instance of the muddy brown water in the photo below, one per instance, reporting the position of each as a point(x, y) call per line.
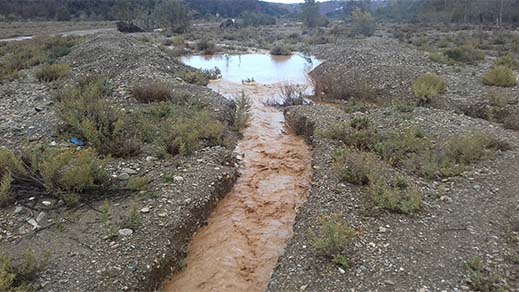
point(250, 227)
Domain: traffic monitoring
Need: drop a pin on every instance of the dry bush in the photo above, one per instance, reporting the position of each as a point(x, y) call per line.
point(152, 92)
point(428, 86)
point(49, 73)
point(354, 166)
point(500, 76)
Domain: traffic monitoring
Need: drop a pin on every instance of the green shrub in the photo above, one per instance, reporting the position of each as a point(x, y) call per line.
point(354, 166)
point(48, 73)
point(439, 57)
point(500, 76)
point(362, 23)
point(394, 192)
point(511, 121)
point(395, 146)
point(185, 134)
point(472, 147)
point(87, 113)
point(341, 86)
point(195, 77)
point(138, 183)
point(17, 278)
point(133, 219)
point(481, 278)
point(178, 41)
point(279, 50)
point(428, 86)
point(508, 61)
point(152, 92)
point(212, 74)
point(207, 47)
point(241, 115)
point(465, 54)
point(333, 236)
point(359, 133)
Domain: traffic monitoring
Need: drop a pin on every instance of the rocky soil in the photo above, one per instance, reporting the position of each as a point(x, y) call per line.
point(473, 215)
point(89, 248)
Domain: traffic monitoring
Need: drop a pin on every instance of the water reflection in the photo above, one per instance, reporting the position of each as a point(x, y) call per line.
point(263, 68)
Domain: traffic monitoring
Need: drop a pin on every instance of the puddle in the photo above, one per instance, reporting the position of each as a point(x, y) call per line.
point(265, 69)
point(250, 227)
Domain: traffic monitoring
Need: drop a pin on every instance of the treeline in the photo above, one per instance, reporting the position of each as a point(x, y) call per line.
point(447, 11)
point(64, 10)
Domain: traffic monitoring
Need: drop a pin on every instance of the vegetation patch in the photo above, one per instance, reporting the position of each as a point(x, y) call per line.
point(195, 77)
point(152, 92)
point(500, 76)
point(65, 174)
point(428, 86)
point(241, 114)
point(18, 277)
point(52, 72)
point(354, 166)
point(464, 54)
point(87, 113)
point(362, 23)
point(394, 192)
point(333, 238)
point(359, 133)
point(481, 278)
point(279, 50)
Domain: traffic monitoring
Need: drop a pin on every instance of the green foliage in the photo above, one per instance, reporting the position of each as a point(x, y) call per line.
point(152, 92)
point(354, 166)
point(482, 279)
point(395, 146)
point(394, 192)
point(206, 46)
point(362, 23)
point(359, 133)
point(465, 54)
point(174, 15)
point(241, 115)
point(133, 219)
point(333, 237)
point(472, 147)
point(86, 111)
point(279, 50)
point(508, 61)
point(310, 14)
point(500, 76)
point(17, 278)
point(138, 183)
point(195, 77)
point(256, 19)
point(105, 212)
point(439, 57)
point(52, 72)
point(428, 86)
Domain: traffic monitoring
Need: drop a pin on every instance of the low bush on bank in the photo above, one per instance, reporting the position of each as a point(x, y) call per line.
point(359, 133)
point(500, 76)
point(394, 192)
point(152, 92)
point(428, 86)
point(241, 114)
point(206, 47)
point(354, 166)
point(17, 56)
point(195, 77)
point(52, 72)
point(396, 146)
point(334, 86)
point(18, 277)
point(333, 238)
point(65, 174)
point(279, 50)
point(465, 54)
point(88, 114)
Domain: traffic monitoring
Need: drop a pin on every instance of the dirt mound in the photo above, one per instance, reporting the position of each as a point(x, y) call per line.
point(123, 58)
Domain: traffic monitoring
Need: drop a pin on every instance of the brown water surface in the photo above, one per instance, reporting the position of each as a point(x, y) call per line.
point(250, 227)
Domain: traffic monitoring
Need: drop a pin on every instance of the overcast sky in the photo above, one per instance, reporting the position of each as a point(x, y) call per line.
point(289, 1)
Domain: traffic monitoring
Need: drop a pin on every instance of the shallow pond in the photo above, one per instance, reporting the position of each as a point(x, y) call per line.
point(265, 69)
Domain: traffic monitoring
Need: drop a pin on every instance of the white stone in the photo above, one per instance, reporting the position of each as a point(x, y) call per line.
point(125, 232)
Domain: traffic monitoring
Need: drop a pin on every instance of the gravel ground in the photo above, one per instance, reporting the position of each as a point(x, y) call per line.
point(87, 254)
point(474, 216)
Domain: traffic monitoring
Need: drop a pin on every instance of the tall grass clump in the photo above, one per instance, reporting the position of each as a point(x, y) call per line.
point(394, 192)
point(52, 72)
point(501, 76)
point(465, 54)
point(333, 238)
point(18, 277)
point(152, 92)
point(428, 86)
point(87, 113)
point(359, 133)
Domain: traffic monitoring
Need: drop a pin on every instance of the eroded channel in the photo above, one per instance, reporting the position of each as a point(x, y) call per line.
point(250, 227)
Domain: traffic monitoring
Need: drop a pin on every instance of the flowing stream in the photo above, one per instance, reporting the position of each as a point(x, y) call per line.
point(250, 227)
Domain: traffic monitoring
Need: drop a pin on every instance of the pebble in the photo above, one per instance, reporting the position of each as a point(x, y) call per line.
point(162, 214)
point(46, 203)
point(18, 210)
point(382, 229)
point(41, 217)
point(124, 176)
point(389, 282)
point(145, 210)
point(33, 223)
point(125, 232)
point(178, 178)
point(342, 271)
point(128, 171)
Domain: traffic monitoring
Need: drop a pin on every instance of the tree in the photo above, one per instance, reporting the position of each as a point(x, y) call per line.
point(310, 14)
point(174, 15)
point(362, 23)
point(126, 10)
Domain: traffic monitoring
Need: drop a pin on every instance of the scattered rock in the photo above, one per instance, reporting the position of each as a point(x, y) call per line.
point(124, 176)
point(125, 232)
point(145, 210)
